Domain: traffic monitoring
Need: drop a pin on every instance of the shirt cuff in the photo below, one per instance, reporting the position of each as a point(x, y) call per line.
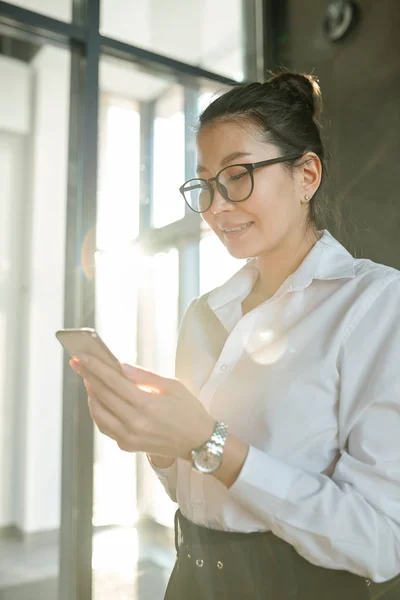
point(263, 483)
point(161, 472)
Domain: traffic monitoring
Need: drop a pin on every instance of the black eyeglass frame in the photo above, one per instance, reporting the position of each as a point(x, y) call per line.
point(221, 188)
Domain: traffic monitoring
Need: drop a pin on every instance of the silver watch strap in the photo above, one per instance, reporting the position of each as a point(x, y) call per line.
point(220, 434)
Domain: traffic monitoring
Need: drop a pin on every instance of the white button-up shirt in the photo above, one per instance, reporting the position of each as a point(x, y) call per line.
point(310, 379)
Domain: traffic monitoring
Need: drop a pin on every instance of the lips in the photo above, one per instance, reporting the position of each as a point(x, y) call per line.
point(235, 228)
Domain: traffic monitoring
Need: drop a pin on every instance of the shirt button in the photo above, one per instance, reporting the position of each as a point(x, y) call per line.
point(196, 501)
point(223, 367)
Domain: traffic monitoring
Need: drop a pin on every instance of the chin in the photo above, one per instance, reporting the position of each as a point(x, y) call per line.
point(242, 253)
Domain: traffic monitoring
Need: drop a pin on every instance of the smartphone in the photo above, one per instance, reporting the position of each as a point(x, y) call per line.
point(87, 341)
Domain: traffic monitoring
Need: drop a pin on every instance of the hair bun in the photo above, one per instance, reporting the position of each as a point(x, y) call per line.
point(300, 86)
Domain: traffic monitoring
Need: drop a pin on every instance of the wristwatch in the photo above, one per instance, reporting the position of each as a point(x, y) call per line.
point(208, 457)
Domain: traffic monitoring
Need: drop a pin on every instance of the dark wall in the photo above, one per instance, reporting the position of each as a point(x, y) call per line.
point(360, 81)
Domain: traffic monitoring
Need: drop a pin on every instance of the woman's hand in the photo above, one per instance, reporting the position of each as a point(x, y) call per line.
point(169, 422)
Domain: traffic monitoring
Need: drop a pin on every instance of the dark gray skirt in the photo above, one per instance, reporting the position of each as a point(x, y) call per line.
point(218, 565)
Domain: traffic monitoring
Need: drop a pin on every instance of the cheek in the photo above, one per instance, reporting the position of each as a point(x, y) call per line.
point(209, 218)
point(273, 198)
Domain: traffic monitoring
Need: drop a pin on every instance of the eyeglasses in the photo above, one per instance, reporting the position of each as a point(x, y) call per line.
point(235, 183)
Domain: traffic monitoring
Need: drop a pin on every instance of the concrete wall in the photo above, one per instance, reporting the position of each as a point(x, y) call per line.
point(360, 79)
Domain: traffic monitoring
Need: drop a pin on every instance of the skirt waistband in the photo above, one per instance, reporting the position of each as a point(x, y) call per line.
point(266, 560)
point(204, 536)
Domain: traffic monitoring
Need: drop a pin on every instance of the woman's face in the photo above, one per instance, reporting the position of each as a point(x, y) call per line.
point(275, 210)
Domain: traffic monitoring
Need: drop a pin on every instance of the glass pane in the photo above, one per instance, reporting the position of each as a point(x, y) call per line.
point(200, 32)
point(158, 313)
point(142, 151)
point(34, 127)
point(116, 319)
point(169, 158)
point(216, 264)
point(130, 104)
point(115, 543)
point(207, 95)
point(61, 10)
point(119, 172)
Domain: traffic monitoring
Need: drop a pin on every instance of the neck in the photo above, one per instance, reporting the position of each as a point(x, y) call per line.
point(276, 266)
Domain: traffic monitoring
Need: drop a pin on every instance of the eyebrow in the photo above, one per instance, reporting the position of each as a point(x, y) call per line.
point(226, 160)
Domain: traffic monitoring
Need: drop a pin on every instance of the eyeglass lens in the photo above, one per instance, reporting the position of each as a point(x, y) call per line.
point(234, 183)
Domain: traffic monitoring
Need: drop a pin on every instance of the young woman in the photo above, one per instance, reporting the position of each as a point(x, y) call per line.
point(279, 439)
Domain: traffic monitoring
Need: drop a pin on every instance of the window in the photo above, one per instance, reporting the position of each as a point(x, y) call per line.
point(146, 258)
point(200, 32)
point(169, 158)
point(119, 173)
point(158, 317)
point(34, 123)
point(62, 9)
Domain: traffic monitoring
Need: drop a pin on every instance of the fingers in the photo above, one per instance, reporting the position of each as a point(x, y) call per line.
point(109, 424)
point(111, 378)
point(114, 416)
point(154, 382)
point(122, 409)
point(89, 390)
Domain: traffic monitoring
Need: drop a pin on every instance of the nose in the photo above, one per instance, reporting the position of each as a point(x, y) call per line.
point(220, 204)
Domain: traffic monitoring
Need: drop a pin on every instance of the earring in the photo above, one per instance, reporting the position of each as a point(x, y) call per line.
point(307, 198)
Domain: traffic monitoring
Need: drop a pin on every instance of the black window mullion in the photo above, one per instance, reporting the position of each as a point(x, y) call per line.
point(253, 35)
point(158, 63)
point(75, 581)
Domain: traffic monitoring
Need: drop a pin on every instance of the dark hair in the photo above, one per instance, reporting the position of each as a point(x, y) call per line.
point(285, 109)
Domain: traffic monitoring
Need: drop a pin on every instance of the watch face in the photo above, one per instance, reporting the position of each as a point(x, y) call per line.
point(207, 461)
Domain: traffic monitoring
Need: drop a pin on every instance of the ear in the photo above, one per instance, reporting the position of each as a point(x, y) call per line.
point(311, 173)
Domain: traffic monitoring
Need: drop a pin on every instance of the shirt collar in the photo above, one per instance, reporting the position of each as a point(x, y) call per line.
point(327, 259)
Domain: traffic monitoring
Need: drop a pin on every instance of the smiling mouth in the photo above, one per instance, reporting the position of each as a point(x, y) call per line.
point(238, 229)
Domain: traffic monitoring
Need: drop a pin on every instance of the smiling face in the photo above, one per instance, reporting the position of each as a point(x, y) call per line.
point(275, 212)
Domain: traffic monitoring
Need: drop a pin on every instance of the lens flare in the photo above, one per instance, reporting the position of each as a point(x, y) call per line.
point(264, 347)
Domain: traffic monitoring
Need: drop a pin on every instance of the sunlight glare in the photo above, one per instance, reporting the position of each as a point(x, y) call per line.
point(116, 551)
point(264, 348)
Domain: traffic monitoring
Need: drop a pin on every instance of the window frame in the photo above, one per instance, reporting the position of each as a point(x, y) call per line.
point(87, 46)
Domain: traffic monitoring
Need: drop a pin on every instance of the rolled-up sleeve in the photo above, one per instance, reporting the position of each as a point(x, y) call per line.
point(167, 477)
point(351, 520)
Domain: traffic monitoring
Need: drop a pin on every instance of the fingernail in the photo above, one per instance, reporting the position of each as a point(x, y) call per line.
point(128, 369)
